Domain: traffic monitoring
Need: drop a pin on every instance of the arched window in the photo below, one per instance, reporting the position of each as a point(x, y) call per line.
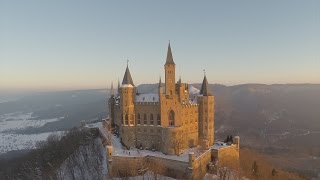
point(126, 122)
point(158, 120)
point(151, 119)
point(171, 118)
point(138, 117)
point(131, 119)
point(144, 119)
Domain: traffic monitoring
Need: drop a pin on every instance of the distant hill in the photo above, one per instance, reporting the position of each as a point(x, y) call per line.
point(274, 112)
point(281, 120)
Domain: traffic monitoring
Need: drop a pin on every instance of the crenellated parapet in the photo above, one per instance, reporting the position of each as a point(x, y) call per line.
point(189, 105)
point(147, 103)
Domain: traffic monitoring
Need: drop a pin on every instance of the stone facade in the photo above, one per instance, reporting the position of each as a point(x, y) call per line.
point(227, 154)
point(169, 121)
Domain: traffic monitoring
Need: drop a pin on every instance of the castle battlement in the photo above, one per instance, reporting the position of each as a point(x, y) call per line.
point(189, 105)
point(147, 103)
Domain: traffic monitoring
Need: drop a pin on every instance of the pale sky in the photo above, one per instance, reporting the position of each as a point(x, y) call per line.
point(58, 45)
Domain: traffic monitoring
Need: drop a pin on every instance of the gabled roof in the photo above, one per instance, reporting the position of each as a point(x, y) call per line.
point(127, 79)
point(205, 87)
point(169, 56)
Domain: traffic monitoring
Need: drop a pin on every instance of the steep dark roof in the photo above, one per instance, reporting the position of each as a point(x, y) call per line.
point(127, 79)
point(205, 87)
point(160, 83)
point(169, 56)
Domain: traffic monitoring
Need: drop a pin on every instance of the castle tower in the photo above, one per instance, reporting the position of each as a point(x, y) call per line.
point(169, 74)
point(118, 87)
point(127, 96)
point(160, 88)
point(206, 115)
point(111, 106)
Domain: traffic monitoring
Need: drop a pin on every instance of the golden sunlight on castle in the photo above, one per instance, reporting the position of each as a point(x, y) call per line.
point(178, 121)
point(169, 121)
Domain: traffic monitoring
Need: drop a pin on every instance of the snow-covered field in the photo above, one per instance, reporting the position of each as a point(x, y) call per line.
point(10, 140)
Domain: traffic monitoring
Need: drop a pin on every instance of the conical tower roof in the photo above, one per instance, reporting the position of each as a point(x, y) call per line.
point(127, 79)
point(111, 89)
point(205, 87)
point(169, 56)
point(160, 83)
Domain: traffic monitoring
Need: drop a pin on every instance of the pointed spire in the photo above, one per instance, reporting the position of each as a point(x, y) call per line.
point(169, 56)
point(127, 79)
point(118, 85)
point(111, 90)
point(179, 82)
point(205, 87)
point(160, 83)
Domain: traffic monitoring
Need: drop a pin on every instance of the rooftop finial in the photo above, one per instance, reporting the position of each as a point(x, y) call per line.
point(127, 62)
point(204, 72)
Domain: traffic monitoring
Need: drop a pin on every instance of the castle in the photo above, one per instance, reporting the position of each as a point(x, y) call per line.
point(169, 121)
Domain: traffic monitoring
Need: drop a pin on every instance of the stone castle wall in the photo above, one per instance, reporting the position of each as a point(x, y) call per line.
point(227, 156)
point(124, 166)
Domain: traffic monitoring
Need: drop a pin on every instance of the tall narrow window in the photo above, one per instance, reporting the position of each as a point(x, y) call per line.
point(151, 119)
point(126, 119)
point(171, 118)
point(158, 120)
point(138, 117)
point(144, 119)
point(131, 119)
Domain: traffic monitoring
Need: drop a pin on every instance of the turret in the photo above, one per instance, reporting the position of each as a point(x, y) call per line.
point(160, 88)
point(127, 97)
point(118, 87)
point(111, 106)
point(169, 74)
point(206, 114)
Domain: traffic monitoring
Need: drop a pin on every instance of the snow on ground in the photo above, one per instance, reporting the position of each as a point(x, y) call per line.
point(118, 150)
point(9, 140)
point(148, 175)
point(16, 121)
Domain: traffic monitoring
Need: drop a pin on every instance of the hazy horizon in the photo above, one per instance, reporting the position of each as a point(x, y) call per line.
point(56, 46)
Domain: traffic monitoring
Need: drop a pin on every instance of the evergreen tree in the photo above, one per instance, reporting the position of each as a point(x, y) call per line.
point(227, 139)
point(255, 170)
point(273, 173)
